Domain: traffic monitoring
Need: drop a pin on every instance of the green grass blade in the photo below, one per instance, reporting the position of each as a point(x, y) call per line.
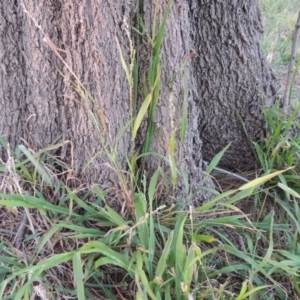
point(288, 190)
point(95, 246)
point(172, 158)
point(83, 204)
point(99, 192)
point(140, 213)
point(261, 156)
point(114, 217)
point(290, 214)
point(189, 268)
point(161, 265)
point(152, 233)
point(143, 277)
point(30, 202)
point(124, 65)
point(36, 164)
point(46, 238)
point(141, 114)
point(295, 280)
point(167, 293)
point(43, 265)
point(216, 160)
point(261, 180)
point(78, 276)
point(152, 187)
point(244, 256)
point(26, 287)
point(179, 255)
point(203, 238)
point(271, 242)
point(56, 260)
point(211, 203)
point(3, 142)
point(161, 31)
point(252, 292)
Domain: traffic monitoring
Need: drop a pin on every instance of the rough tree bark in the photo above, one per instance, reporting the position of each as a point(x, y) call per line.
point(230, 75)
point(38, 104)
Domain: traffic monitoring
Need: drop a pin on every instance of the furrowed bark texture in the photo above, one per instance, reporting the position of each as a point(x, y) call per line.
point(230, 76)
point(38, 100)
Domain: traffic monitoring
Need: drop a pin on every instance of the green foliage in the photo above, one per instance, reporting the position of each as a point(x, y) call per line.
point(279, 19)
point(166, 253)
point(280, 148)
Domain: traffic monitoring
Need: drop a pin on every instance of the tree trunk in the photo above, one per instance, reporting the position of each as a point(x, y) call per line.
point(38, 97)
point(47, 47)
point(230, 76)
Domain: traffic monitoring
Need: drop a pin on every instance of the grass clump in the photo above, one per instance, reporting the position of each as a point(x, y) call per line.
point(160, 252)
point(280, 148)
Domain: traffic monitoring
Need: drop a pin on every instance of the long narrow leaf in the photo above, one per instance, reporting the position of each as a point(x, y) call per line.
point(178, 247)
point(140, 212)
point(143, 277)
point(140, 116)
point(261, 180)
point(216, 160)
point(78, 276)
point(95, 246)
point(161, 265)
point(288, 190)
point(36, 164)
point(161, 31)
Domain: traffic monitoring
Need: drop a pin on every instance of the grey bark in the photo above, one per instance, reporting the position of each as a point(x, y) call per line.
point(38, 104)
point(230, 75)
